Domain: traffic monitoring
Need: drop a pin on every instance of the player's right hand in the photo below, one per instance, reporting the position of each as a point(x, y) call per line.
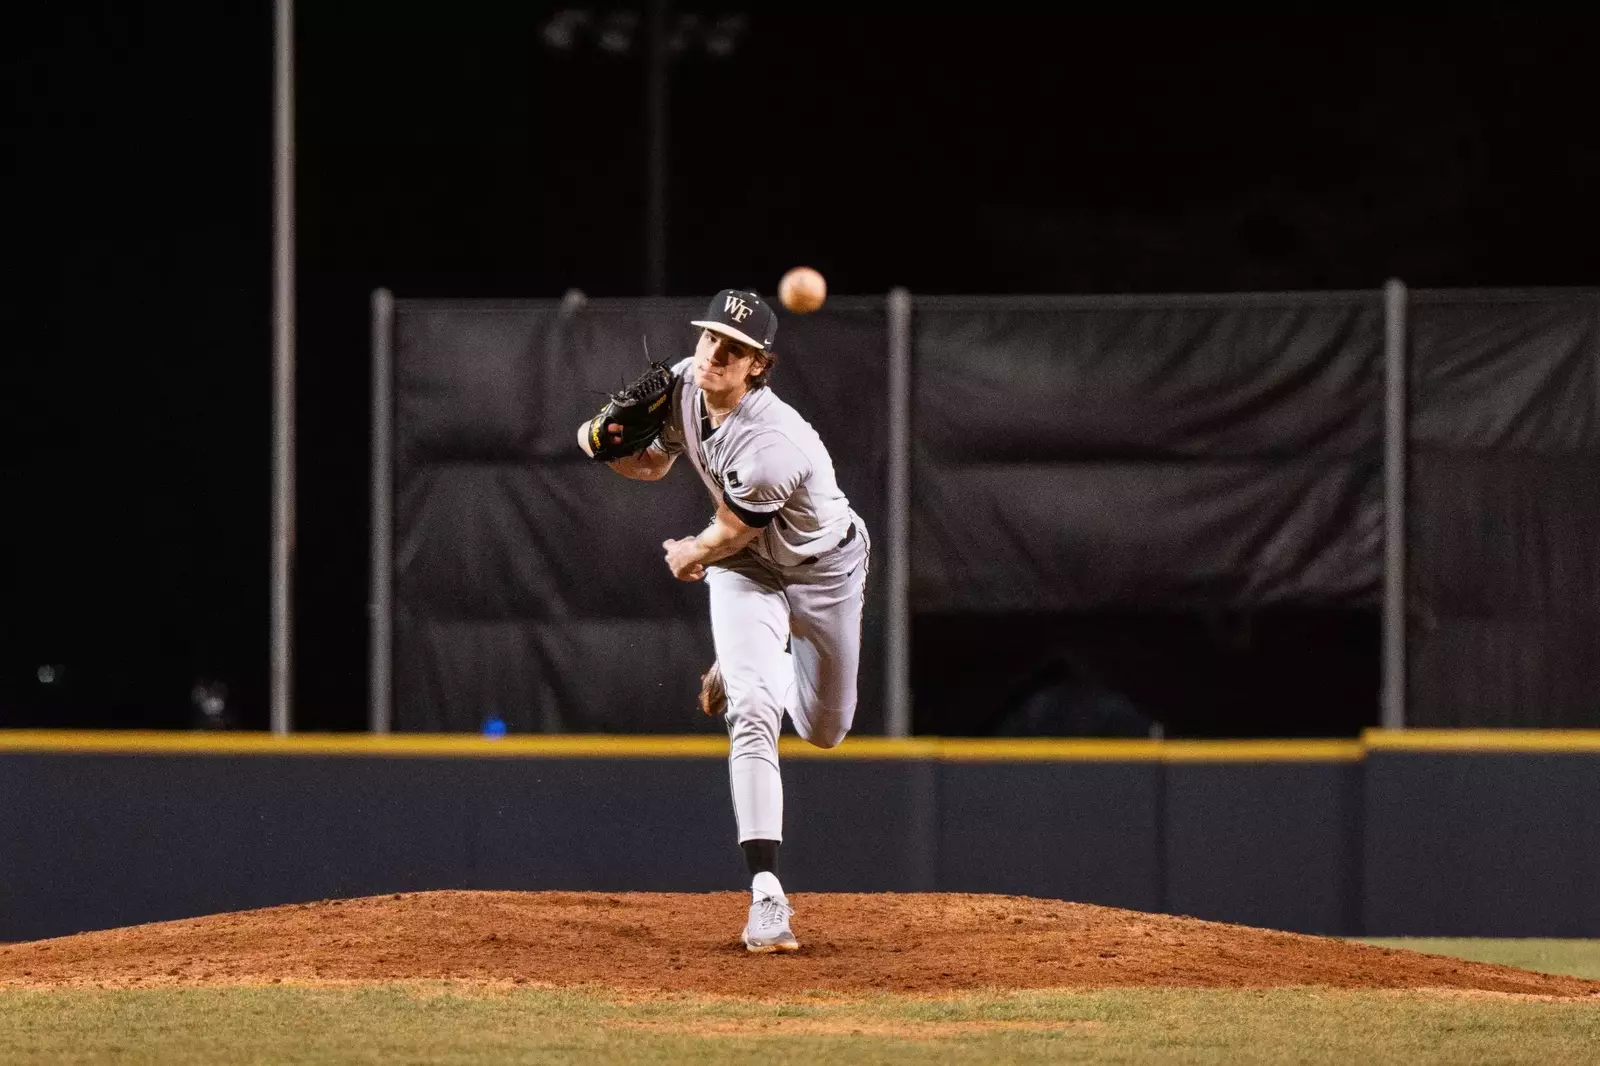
point(682, 559)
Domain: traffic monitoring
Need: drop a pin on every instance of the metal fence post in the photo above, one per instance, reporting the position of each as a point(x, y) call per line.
point(283, 444)
point(1395, 441)
point(897, 711)
point(380, 607)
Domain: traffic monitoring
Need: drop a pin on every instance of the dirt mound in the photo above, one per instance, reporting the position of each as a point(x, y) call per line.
point(851, 943)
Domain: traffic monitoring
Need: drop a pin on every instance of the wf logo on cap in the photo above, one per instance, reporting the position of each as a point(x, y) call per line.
point(742, 315)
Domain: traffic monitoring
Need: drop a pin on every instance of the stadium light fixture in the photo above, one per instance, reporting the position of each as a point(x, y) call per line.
point(618, 32)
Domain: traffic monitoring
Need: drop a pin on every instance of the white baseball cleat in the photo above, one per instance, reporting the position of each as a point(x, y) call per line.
point(768, 928)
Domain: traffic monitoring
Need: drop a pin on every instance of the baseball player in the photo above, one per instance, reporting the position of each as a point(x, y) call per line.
point(785, 558)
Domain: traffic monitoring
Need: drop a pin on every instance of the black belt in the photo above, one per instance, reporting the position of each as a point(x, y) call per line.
point(849, 535)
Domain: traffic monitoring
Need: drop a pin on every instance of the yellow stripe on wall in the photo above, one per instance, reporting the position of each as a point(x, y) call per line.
point(613, 746)
point(1262, 750)
point(1047, 749)
point(853, 748)
point(448, 745)
point(471, 745)
point(1483, 740)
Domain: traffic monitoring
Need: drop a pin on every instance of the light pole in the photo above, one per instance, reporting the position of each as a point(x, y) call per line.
point(655, 109)
point(665, 36)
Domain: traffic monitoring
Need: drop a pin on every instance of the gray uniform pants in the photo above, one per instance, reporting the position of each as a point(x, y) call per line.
point(755, 607)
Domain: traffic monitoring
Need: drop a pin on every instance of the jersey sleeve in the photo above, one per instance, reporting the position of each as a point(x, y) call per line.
point(762, 477)
point(670, 440)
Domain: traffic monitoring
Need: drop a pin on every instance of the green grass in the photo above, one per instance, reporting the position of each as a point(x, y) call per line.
point(447, 1024)
point(1580, 958)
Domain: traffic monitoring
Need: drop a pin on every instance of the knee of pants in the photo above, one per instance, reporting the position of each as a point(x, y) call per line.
point(756, 714)
point(826, 730)
point(745, 730)
point(752, 689)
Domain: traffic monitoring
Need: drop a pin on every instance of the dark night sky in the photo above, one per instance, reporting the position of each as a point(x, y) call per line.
point(993, 154)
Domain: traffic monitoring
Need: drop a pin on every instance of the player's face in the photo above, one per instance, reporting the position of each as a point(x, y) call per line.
point(722, 363)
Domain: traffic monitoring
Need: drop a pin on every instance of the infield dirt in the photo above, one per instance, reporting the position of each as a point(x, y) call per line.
point(852, 944)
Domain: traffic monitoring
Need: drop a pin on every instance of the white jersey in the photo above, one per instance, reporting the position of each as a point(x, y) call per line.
point(767, 464)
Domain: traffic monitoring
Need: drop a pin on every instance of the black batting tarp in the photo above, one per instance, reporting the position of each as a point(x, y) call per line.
point(1073, 456)
point(1069, 456)
point(1504, 510)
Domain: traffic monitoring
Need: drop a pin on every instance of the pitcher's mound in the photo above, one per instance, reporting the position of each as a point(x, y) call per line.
point(850, 943)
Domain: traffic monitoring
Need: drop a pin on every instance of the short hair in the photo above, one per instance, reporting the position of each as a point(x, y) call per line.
point(769, 364)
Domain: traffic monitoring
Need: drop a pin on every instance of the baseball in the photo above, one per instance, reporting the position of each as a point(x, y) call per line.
point(802, 290)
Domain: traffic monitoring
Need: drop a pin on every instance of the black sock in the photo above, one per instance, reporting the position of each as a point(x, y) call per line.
point(761, 856)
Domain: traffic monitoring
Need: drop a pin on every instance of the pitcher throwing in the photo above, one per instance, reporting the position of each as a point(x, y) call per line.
point(784, 556)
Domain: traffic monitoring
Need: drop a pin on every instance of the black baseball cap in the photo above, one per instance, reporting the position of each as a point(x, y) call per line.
point(742, 315)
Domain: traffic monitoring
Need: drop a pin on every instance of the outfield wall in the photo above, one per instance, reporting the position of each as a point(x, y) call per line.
point(1415, 833)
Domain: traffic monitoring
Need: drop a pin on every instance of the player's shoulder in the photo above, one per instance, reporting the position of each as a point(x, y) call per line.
point(681, 368)
point(775, 433)
point(773, 414)
point(769, 410)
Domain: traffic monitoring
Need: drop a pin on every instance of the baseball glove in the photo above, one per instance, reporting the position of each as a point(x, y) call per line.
point(641, 409)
